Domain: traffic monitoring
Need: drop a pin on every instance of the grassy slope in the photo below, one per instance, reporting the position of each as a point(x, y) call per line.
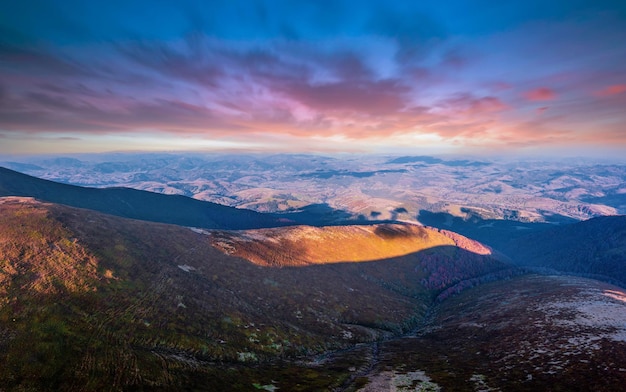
point(305, 245)
point(91, 301)
point(530, 333)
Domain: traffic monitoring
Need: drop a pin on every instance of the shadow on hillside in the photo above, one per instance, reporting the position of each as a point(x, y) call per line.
point(324, 215)
point(435, 272)
point(316, 215)
point(493, 232)
point(593, 249)
point(616, 200)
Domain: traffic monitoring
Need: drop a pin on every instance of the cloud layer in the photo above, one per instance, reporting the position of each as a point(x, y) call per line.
point(288, 74)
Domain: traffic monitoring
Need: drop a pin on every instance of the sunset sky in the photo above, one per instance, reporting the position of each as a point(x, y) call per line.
point(335, 76)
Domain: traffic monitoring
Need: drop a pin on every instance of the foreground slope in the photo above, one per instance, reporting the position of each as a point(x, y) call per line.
point(532, 333)
point(136, 204)
point(92, 301)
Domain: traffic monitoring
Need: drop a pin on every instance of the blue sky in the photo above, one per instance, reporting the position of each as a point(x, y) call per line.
point(519, 76)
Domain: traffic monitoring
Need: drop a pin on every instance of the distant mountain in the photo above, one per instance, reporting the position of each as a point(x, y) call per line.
point(343, 173)
point(432, 161)
point(371, 186)
point(493, 232)
point(91, 301)
point(596, 247)
point(136, 204)
point(23, 167)
point(615, 199)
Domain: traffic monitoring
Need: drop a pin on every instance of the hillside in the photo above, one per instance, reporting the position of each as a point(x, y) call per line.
point(303, 245)
point(92, 301)
point(530, 333)
point(596, 247)
point(136, 204)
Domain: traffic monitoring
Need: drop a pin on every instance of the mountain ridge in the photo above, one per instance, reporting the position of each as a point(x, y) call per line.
point(595, 248)
point(136, 204)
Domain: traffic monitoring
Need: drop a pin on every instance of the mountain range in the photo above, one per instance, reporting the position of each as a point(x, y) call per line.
point(91, 299)
point(365, 187)
point(136, 204)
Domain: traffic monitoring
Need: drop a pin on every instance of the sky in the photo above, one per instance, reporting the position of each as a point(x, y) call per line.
point(313, 76)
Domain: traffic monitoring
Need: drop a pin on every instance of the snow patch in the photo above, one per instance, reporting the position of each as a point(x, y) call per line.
point(186, 268)
point(401, 382)
point(199, 230)
point(480, 383)
point(602, 310)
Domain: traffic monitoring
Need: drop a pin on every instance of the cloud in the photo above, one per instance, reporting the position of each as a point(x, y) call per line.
point(188, 63)
point(540, 94)
point(612, 136)
point(414, 31)
point(211, 88)
point(45, 112)
point(289, 70)
point(68, 138)
point(608, 91)
point(471, 105)
point(372, 97)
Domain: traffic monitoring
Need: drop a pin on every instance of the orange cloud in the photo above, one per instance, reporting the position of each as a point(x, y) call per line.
point(540, 94)
point(611, 90)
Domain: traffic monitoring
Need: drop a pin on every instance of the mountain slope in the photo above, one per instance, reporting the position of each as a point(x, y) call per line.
point(92, 301)
point(595, 247)
point(136, 204)
point(530, 333)
point(304, 245)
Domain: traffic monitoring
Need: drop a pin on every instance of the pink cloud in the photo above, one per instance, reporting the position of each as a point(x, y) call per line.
point(486, 105)
point(540, 94)
point(378, 97)
point(244, 92)
point(611, 90)
point(469, 105)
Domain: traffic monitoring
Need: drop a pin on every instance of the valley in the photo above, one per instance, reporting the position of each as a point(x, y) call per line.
point(92, 289)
